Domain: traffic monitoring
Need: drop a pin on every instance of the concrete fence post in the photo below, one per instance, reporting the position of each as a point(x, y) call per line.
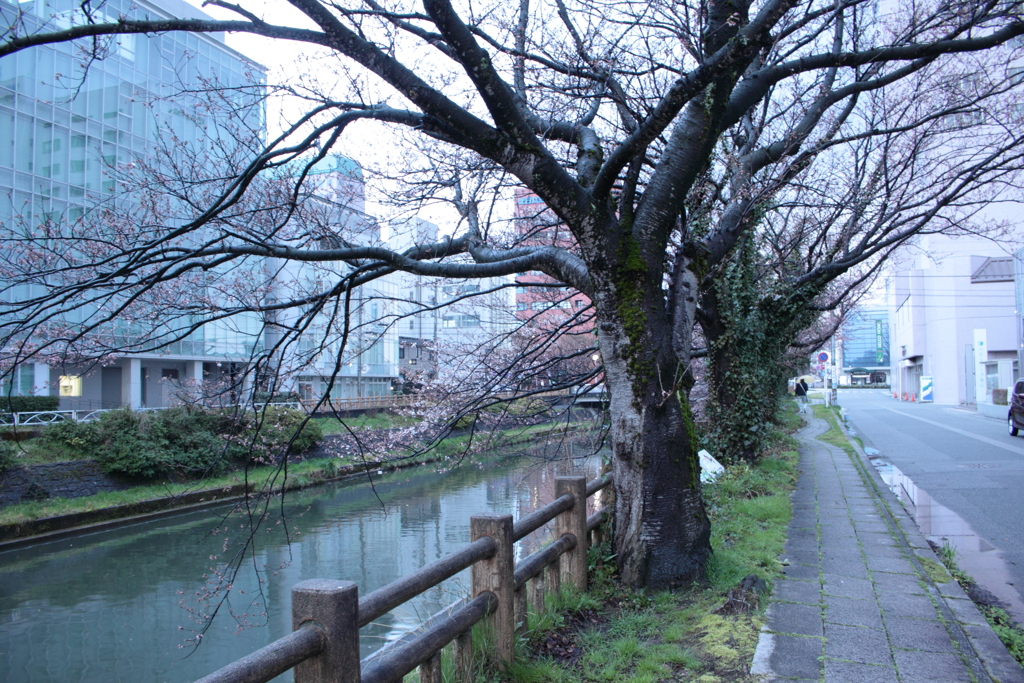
point(497, 575)
point(574, 521)
point(334, 607)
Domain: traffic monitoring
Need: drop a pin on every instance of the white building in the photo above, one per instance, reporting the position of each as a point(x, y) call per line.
point(951, 316)
point(432, 312)
point(315, 363)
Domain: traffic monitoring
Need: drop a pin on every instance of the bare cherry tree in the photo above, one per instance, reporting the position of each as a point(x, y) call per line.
point(620, 116)
point(928, 154)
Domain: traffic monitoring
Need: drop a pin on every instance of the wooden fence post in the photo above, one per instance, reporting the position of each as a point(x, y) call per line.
point(574, 521)
point(334, 607)
point(553, 577)
point(463, 655)
point(497, 575)
point(537, 587)
point(521, 608)
point(430, 670)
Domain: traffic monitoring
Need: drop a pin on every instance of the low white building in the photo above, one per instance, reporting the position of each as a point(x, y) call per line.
point(435, 312)
point(951, 316)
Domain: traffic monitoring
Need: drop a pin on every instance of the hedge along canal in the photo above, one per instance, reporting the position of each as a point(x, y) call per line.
point(108, 605)
point(168, 500)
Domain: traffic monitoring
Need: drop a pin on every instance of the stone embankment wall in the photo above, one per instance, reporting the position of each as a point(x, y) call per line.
point(73, 479)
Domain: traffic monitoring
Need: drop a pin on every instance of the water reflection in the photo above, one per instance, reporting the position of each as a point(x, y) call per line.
point(976, 556)
point(108, 606)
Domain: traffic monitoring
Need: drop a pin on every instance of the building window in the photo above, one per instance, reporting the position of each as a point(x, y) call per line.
point(991, 376)
point(70, 385)
point(460, 321)
point(522, 307)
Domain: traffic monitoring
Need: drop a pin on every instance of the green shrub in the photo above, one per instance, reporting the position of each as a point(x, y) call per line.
point(77, 438)
point(120, 449)
point(465, 422)
point(263, 436)
point(185, 440)
point(8, 455)
point(28, 404)
point(146, 445)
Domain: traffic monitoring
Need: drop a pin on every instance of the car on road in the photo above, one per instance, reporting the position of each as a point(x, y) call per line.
point(1015, 417)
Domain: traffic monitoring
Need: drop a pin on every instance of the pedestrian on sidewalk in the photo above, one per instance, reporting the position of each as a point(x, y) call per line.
point(801, 394)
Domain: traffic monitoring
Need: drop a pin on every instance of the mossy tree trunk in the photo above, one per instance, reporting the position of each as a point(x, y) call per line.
point(662, 531)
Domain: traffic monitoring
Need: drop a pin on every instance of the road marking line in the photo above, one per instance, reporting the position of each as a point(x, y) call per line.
point(993, 442)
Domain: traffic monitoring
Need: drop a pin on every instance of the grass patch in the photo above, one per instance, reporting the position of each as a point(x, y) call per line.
point(835, 435)
point(625, 635)
point(34, 452)
point(259, 478)
point(381, 420)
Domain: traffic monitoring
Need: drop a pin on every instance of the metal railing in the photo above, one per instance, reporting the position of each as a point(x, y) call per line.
point(407, 400)
point(327, 615)
point(48, 417)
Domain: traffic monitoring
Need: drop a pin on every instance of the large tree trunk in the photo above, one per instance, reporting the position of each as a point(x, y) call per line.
point(662, 532)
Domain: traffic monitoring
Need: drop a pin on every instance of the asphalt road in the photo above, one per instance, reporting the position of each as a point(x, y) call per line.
point(964, 461)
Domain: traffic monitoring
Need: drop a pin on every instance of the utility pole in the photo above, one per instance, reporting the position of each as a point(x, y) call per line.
point(835, 372)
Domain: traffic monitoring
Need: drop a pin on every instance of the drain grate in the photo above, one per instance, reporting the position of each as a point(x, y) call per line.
point(981, 466)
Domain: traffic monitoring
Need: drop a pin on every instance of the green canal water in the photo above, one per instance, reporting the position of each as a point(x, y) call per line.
point(121, 605)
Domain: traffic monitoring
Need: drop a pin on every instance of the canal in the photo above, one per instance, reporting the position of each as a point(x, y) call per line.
point(129, 604)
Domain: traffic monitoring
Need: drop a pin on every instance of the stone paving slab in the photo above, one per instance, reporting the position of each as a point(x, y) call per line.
point(855, 603)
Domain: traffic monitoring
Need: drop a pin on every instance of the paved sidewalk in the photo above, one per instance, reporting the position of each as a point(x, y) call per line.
point(856, 604)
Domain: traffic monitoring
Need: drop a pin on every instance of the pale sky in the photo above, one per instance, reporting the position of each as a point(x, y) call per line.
point(280, 58)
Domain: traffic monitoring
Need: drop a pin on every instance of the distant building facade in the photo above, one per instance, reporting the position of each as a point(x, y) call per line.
point(541, 301)
point(57, 148)
point(1018, 285)
point(436, 314)
point(865, 347)
point(951, 312)
point(318, 366)
point(545, 306)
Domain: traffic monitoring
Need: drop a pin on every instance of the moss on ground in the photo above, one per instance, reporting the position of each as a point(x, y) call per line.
point(935, 571)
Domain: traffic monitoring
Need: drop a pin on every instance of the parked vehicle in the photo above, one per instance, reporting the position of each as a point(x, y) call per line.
point(1015, 417)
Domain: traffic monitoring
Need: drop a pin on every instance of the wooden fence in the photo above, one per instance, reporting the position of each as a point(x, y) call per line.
point(323, 646)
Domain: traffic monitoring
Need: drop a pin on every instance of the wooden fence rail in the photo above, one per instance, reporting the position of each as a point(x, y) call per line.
point(327, 615)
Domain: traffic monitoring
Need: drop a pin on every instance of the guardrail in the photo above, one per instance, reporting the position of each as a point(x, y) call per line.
point(49, 417)
point(327, 615)
point(407, 400)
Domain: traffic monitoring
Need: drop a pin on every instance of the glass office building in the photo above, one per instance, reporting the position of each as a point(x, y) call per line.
point(865, 339)
point(64, 129)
